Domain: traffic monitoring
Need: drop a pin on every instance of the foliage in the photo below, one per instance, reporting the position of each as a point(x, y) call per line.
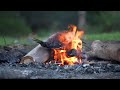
point(11, 25)
point(103, 25)
point(103, 21)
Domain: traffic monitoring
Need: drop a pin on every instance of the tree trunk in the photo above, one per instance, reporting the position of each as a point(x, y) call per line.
point(81, 19)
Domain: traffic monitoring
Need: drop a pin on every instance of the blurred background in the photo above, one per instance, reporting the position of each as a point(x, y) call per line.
point(19, 27)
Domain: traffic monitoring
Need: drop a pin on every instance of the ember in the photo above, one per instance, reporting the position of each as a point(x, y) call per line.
point(70, 52)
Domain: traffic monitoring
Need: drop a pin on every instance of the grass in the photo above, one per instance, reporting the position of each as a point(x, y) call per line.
point(10, 40)
point(103, 37)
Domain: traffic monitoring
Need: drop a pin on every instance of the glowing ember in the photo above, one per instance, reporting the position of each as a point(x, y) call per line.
point(71, 40)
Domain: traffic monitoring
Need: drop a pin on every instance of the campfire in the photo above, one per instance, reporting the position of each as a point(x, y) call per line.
point(65, 47)
point(70, 51)
point(62, 55)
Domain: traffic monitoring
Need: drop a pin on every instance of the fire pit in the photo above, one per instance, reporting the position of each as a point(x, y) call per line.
point(65, 47)
point(62, 56)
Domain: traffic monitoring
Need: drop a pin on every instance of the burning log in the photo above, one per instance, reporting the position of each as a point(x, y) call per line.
point(60, 39)
point(105, 50)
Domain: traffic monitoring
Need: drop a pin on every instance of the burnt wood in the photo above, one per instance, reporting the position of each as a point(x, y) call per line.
point(72, 53)
point(49, 44)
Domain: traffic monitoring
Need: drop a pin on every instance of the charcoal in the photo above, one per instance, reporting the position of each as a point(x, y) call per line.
point(84, 55)
point(23, 51)
point(103, 66)
point(96, 70)
point(89, 71)
point(60, 69)
point(10, 56)
point(7, 48)
point(80, 70)
point(12, 64)
point(36, 65)
point(22, 65)
point(103, 70)
point(72, 53)
point(53, 67)
point(78, 66)
point(111, 67)
point(70, 68)
point(100, 67)
point(116, 68)
point(37, 71)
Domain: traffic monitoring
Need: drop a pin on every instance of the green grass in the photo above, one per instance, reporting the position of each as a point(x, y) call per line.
point(103, 36)
point(10, 41)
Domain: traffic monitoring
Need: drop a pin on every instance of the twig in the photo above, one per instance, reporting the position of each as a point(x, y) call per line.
point(4, 40)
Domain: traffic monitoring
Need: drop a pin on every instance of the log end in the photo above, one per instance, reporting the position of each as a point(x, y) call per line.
point(26, 60)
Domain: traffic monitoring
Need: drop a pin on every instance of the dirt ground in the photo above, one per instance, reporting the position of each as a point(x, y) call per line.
point(11, 69)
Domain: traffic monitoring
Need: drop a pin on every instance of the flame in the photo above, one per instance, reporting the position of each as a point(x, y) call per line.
point(70, 39)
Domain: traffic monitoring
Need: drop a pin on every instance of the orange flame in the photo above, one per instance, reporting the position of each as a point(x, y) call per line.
point(70, 39)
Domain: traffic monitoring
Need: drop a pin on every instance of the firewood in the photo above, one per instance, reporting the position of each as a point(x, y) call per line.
point(49, 44)
point(38, 54)
point(62, 38)
point(105, 50)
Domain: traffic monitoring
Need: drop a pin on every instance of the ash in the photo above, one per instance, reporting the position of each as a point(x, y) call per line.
point(11, 69)
point(53, 71)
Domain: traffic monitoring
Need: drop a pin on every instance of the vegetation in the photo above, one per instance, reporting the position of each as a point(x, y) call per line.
point(103, 36)
point(15, 26)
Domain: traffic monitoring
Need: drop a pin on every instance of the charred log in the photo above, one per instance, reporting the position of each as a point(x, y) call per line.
point(43, 44)
point(49, 44)
point(72, 53)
